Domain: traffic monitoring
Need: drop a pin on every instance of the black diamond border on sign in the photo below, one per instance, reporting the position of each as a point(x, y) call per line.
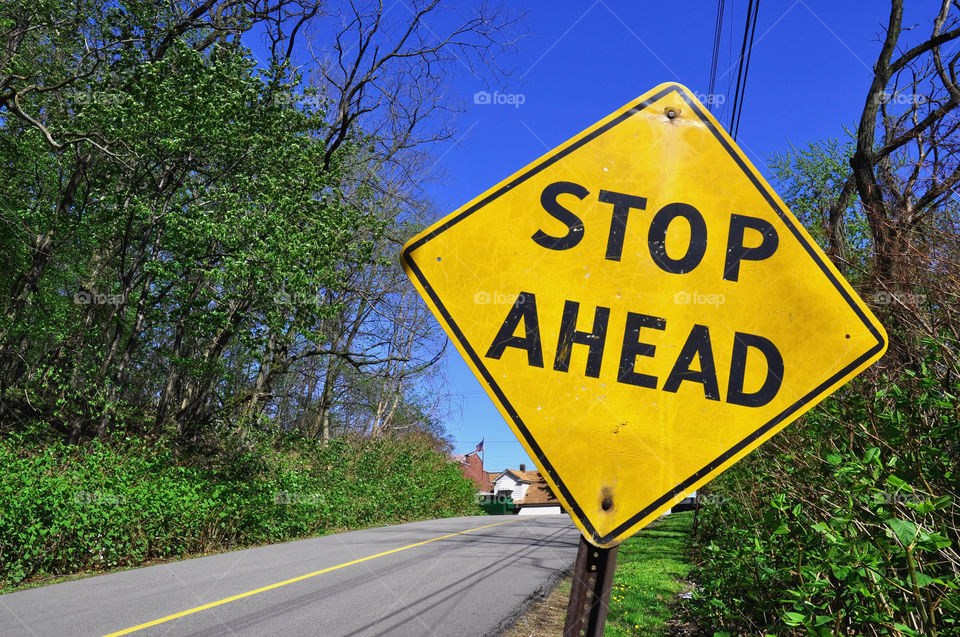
point(488, 377)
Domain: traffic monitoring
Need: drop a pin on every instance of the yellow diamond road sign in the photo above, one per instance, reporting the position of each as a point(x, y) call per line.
point(642, 308)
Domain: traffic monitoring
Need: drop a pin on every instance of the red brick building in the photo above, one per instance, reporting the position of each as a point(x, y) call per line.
point(471, 466)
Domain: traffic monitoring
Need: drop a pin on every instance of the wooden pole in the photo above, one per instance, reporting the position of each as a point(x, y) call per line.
point(590, 592)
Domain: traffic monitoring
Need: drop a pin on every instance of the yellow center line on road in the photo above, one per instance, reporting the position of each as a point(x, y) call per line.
point(227, 600)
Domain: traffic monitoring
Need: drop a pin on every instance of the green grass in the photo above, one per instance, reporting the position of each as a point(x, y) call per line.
point(650, 568)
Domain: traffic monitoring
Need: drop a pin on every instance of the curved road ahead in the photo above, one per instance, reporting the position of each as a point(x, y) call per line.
point(451, 577)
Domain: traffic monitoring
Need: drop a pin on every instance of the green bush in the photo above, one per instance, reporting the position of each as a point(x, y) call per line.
point(65, 509)
point(845, 523)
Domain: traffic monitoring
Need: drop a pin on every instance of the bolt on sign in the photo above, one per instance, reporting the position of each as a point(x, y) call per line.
point(642, 308)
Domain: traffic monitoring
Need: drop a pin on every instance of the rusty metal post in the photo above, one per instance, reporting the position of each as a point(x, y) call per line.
point(590, 591)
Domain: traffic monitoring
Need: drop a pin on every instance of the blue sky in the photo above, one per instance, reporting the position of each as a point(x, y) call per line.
point(810, 69)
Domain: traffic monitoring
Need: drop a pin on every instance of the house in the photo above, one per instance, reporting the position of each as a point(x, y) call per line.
point(471, 466)
point(529, 491)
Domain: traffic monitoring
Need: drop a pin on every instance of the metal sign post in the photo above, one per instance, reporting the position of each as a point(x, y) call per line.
point(590, 591)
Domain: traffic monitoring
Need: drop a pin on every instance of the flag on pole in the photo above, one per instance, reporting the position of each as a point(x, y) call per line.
point(479, 447)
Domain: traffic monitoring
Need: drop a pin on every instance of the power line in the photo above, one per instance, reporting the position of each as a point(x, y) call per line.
point(749, 30)
point(726, 102)
point(743, 53)
point(717, 36)
point(746, 68)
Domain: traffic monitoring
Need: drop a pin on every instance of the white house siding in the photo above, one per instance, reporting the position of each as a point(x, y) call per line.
point(506, 483)
point(503, 483)
point(520, 491)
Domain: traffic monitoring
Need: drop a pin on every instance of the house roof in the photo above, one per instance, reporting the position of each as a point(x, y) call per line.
point(521, 476)
point(538, 493)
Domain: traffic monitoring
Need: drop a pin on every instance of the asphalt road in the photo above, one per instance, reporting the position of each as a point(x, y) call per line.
point(426, 578)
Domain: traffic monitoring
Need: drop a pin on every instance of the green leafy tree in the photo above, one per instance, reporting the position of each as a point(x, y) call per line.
point(192, 238)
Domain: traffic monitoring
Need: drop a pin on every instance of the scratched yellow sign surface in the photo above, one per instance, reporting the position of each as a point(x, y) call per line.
point(642, 308)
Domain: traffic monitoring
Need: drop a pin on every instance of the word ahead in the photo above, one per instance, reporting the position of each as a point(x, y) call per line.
point(697, 346)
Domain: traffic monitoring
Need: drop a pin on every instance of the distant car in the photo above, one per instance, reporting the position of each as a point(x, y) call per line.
point(689, 503)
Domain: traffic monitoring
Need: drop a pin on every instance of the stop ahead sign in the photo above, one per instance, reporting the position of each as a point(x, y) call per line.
point(642, 308)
